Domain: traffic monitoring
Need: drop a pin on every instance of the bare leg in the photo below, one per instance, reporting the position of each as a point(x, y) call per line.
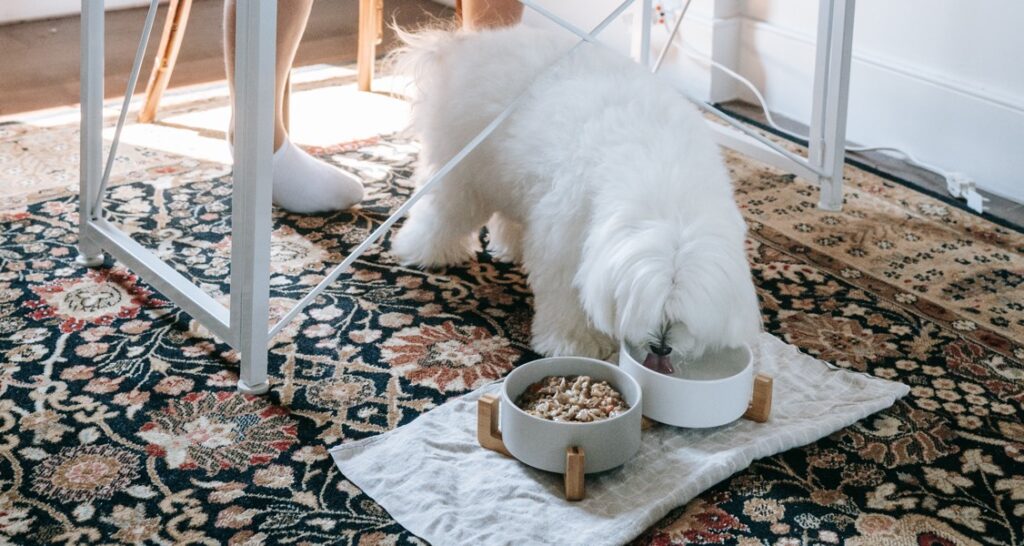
point(480, 14)
point(291, 23)
point(302, 183)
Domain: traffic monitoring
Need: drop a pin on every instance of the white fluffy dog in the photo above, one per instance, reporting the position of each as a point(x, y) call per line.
point(604, 183)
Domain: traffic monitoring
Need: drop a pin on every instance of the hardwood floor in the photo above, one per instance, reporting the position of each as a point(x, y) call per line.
point(39, 59)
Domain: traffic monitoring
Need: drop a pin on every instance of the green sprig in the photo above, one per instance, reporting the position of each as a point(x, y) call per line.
point(659, 341)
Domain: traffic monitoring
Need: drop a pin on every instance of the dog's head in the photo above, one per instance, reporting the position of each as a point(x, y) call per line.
point(638, 277)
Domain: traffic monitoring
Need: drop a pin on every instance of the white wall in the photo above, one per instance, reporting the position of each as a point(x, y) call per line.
point(711, 28)
point(26, 10)
point(585, 14)
point(943, 79)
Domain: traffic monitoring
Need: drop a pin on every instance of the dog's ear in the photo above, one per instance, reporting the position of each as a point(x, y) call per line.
point(596, 283)
point(625, 273)
point(714, 296)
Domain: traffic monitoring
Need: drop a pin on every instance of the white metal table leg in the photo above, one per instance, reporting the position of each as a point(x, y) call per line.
point(831, 92)
point(90, 254)
point(642, 32)
point(256, 24)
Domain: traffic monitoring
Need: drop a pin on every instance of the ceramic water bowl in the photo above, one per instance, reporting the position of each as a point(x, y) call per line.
point(707, 392)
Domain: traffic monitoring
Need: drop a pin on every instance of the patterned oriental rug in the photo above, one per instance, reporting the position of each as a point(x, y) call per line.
point(119, 420)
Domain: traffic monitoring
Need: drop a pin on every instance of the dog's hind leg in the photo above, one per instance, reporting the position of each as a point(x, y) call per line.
point(443, 228)
point(504, 239)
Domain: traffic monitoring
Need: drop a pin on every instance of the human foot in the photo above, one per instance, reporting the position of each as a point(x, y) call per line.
point(305, 184)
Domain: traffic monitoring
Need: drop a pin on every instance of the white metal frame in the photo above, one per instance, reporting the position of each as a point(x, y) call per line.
point(827, 140)
point(243, 324)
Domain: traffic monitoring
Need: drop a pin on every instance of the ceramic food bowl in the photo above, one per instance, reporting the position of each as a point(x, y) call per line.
point(708, 392)
point(542, 443)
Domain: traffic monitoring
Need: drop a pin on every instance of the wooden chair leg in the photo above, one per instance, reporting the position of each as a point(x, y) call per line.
point(166, 56)
point(371, 33)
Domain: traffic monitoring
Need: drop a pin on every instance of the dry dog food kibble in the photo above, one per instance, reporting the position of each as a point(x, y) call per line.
point(576, 398)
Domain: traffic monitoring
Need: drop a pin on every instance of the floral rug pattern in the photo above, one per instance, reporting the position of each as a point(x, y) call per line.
point(119, 420)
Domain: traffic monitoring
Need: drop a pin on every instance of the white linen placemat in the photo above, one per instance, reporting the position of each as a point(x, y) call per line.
point(434, 479)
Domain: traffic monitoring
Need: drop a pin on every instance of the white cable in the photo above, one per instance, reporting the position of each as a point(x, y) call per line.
point(958, 184)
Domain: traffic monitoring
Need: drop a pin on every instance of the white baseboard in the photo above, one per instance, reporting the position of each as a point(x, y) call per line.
point(957, 125)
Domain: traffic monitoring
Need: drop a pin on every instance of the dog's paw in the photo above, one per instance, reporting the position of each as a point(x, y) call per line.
point(413, 247)
point(505, 253)
point(504, 240)
point(588, 343)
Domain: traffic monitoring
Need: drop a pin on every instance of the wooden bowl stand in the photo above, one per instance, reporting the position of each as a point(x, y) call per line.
point(489, 437)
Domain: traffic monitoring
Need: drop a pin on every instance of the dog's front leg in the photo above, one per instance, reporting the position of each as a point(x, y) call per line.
point(560, 327)
point(440, 231)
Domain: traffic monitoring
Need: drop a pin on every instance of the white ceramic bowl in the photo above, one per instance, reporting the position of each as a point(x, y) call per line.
point(711, 391)
point(542, 443)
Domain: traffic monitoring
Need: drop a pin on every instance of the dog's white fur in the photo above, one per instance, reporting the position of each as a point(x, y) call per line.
point(605, 183)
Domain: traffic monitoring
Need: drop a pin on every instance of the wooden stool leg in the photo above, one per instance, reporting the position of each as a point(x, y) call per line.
point(575, 486)
point(487, 433)
point(371, 33)
point(761, 401)
point(166, 56)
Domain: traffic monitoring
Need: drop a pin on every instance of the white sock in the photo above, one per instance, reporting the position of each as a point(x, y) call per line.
point(304, 184)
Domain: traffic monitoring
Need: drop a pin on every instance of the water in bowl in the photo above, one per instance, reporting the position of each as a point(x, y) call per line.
point(714, 364)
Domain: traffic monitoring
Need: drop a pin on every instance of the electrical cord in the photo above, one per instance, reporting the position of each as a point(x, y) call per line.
point(958, 184)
